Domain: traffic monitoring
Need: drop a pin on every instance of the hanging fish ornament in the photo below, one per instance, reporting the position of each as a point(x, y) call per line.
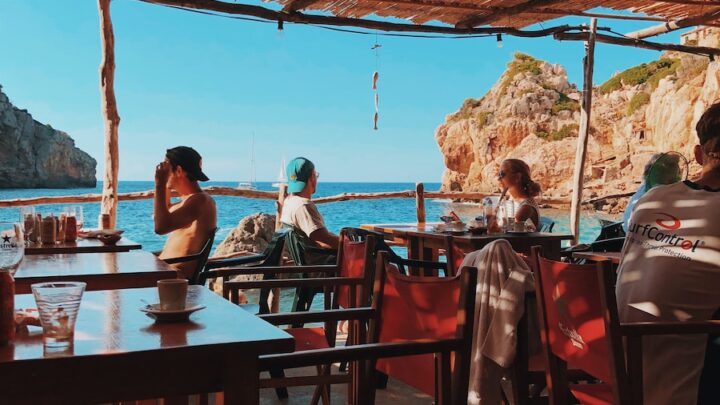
point(375, 78)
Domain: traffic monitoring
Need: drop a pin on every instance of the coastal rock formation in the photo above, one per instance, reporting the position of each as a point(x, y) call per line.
point(532, 112)
point(34, 155)
point(251, 235)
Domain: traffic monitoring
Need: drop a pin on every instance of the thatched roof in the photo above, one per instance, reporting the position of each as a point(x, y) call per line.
point(513, 13)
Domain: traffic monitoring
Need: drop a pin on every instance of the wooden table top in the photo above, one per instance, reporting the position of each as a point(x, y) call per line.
point(82, 245)
point(100, 270)
point(427, 230)
point(119, 354)
point(110, 323)
point(598, 256)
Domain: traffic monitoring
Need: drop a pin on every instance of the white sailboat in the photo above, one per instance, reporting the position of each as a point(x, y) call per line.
point(250, 185)
point(281, 177)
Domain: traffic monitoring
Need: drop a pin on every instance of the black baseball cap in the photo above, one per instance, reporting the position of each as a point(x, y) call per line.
point(187, 158)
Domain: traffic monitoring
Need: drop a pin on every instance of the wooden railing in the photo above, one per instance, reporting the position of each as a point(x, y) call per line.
point(419, 194)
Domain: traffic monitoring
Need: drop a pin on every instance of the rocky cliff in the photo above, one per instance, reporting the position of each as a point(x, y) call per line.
point(532, 113)
point(34, 155)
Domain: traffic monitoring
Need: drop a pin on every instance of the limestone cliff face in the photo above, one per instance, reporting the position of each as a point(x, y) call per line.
point(532, 113)
point(33, 155)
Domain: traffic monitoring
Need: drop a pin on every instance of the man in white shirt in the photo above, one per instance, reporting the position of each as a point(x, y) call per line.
point(670, 270)
point(299, 211)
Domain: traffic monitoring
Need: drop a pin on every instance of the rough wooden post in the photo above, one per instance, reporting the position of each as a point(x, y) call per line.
point(282, 193)
point(110, 114)
point(581, 152)
point(420, 202)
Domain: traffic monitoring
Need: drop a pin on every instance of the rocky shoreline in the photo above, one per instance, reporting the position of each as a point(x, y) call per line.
point(35, 155)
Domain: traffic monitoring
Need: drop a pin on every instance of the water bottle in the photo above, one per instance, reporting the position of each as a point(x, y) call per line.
point(489, 212)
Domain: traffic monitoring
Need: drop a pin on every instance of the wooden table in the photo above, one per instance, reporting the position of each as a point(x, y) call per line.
point(101, 271)
point(82, 245)
point(598, 256)
point(422, 241)
point(121, 354)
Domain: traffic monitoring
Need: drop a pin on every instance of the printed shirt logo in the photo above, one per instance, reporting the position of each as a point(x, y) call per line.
point(672, 223)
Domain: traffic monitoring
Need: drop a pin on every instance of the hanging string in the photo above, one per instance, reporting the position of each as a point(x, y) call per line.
point(375, 77)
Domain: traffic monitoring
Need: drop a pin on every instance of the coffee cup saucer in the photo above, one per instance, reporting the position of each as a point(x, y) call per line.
point(180, 315)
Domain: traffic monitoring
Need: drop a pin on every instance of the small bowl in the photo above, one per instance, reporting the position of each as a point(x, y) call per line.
point(109, 239)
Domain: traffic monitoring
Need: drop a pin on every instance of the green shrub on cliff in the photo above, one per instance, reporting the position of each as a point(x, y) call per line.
point(637, 101)
point(466, 109)
point(565, 103)
point(650, 73)
point(482, 118)
point(560, 134)
point(521, 63)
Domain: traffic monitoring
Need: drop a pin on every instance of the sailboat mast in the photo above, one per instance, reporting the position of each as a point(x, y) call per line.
point(252, 161)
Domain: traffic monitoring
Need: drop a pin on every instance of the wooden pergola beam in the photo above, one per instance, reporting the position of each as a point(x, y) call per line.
point(506, 11)
point(582, 141)
point(111, 117)
point(675, 25)
point(637, 43)
point(299, 18)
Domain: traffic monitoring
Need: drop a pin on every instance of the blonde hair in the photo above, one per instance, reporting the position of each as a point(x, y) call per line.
point(530, 187)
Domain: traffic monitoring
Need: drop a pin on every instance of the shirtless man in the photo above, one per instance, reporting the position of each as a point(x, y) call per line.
point(189, 221)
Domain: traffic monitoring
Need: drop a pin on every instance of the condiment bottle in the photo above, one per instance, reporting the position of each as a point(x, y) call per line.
point(104, 221)
point(70, 229)
point(48, 230)
point(7, 308)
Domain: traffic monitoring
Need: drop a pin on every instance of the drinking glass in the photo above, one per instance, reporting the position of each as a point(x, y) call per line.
point(27, 219)
point(12, 246)
point(77, 212)
point(58, 305)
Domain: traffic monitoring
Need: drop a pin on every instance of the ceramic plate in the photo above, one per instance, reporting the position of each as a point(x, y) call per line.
point(154, 311)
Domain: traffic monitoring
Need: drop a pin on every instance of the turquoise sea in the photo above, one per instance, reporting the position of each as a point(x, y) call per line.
point(135, 217)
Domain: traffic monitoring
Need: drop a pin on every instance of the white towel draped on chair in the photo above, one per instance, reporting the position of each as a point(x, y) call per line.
point(503, 279)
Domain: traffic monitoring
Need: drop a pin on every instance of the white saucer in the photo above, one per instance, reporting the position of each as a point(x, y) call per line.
point(154, 311)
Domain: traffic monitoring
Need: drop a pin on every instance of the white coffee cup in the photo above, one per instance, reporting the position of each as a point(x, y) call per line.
point(173, 294)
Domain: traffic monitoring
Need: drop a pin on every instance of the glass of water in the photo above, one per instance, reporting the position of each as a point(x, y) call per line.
point(12, 246)
point(58, 305)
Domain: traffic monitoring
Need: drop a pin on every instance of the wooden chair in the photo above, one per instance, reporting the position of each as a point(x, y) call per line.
point(439, 343)
point(200, 259)
point(348, 286)
point(546, 224)
point(580, 328)
point(300, 248)
point(231, 267)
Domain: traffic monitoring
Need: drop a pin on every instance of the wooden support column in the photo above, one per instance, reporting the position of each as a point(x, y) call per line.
point(420, 202)
point(581, 153)
point(282, 193)
point(110, 114)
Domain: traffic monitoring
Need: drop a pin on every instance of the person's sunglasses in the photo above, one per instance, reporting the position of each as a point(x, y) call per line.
point(317, 175)
point(501, 175)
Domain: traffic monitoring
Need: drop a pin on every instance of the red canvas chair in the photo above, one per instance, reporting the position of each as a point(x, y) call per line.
point(345, 285)
point(580, 328)
point(442, 336)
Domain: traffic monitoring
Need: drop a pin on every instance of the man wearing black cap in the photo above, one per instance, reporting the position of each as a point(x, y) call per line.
point(190, 221)
point(670, 271)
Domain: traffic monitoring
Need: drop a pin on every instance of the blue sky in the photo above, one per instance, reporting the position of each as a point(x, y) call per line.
point(211, 82)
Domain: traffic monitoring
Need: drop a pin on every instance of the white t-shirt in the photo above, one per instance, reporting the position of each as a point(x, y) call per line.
point(301, 213)
point(670, 271)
